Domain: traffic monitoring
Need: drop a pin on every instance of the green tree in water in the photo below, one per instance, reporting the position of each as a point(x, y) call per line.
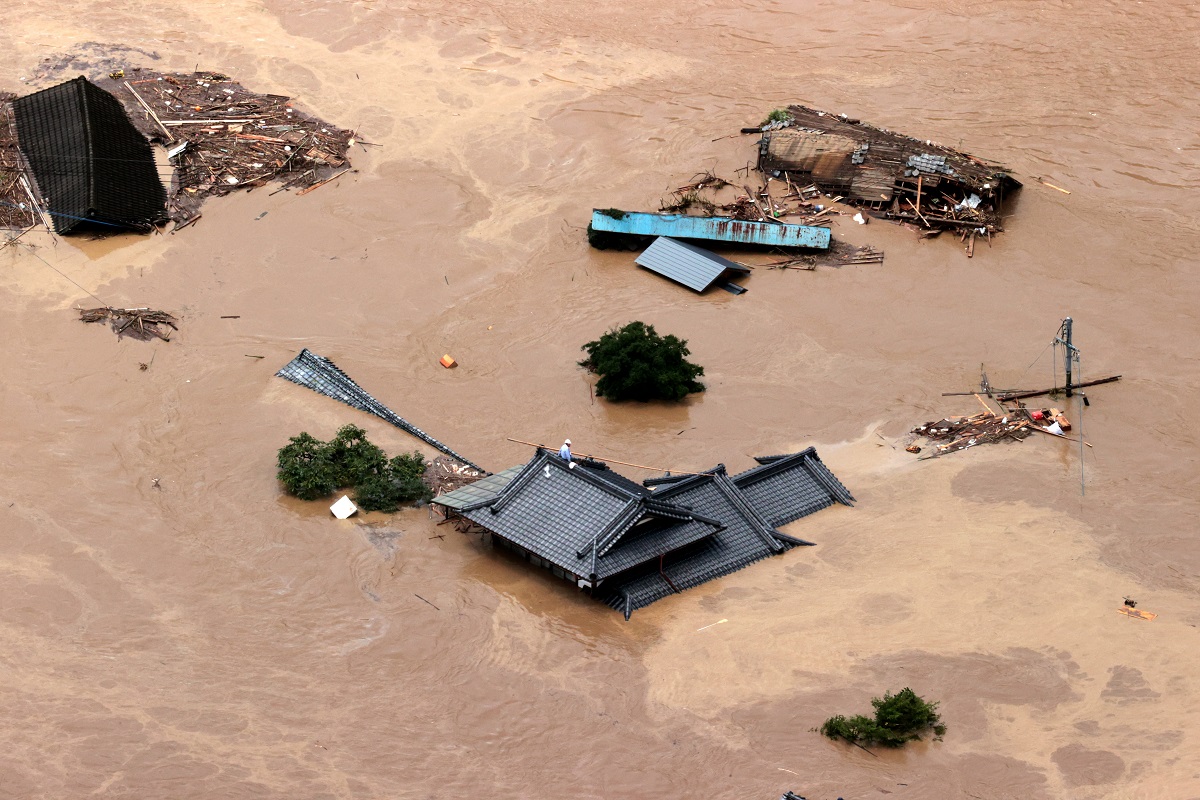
point(635, 363)
point(311, 469)
point(899, 718)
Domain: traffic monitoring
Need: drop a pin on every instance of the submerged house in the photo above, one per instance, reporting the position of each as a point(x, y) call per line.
point(91, 165)
point(629, 544)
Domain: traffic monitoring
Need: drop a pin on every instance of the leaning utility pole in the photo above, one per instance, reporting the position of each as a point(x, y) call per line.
point(1070, 351)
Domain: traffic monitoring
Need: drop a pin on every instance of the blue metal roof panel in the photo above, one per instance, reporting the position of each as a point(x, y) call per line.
point(721, 229)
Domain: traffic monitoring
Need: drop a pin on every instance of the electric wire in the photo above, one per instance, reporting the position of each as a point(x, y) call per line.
point(29, 247)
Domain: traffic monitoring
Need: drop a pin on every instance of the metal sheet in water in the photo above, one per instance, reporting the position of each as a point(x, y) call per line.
point(718, 229)
point(321, 375)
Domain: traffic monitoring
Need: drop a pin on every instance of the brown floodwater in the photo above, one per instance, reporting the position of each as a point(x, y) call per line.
point(203, 636)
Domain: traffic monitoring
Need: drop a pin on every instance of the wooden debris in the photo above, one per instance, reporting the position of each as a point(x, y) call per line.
point(139, 323)
point(444, 475)
point(959, 433)
point(15, 212)
point(235, 138)
point(921, 182)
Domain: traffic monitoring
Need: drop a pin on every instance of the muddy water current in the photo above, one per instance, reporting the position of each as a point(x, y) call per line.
point(173, 626)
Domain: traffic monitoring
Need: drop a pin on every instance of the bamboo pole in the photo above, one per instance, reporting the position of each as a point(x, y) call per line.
point(149, 111)
point(605, 458)
point(1056, 435)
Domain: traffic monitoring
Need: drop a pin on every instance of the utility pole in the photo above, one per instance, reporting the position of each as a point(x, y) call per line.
point(1070, 351)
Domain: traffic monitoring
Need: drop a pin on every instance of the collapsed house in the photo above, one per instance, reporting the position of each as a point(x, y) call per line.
point(87, 149)
point(911, 180)
point(629, 544)
point(91, 165)
point(221, 137)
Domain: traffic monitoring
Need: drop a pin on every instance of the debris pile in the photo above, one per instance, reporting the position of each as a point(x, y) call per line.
point(761, 205)
point(922, 183)
point(139, 323)
point(222, 137)
point(840, 255)
point(444, 475)
point(959, 433)
point(14, 202)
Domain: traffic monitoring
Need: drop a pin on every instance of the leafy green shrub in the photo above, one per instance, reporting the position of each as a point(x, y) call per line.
point(311, 469)
point(305, 469)
point(899, 718)
point(778, 115)
point(635, 363)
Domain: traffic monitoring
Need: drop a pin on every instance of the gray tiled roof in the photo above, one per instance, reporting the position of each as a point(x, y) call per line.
point(576, 518)
point(323, 376)
point(746, 538)
point(786, 488)
point(640, 547)
point(662, 536)
point(683, 263)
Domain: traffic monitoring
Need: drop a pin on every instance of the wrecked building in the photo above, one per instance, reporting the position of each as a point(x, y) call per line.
point(896, 176)
point(92, 167)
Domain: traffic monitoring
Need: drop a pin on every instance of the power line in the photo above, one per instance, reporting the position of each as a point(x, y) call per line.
point(29, 247)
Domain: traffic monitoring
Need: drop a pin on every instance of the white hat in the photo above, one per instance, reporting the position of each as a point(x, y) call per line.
point(568, 441)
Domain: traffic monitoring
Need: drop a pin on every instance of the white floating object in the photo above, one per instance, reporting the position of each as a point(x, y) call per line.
point(1056, 429)
point(860, 219)
point(343, 508)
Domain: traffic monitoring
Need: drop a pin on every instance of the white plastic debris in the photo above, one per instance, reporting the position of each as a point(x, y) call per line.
point(344, 508)
point(1056, 429)
point(860, 219)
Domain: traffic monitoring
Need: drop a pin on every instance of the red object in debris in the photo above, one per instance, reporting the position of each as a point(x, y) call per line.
point(1037, 415)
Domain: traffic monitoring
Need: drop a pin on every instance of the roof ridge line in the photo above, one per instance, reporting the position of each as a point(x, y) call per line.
point(826, 478)
point(757, 523)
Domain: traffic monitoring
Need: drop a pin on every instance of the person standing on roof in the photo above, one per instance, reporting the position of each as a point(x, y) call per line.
point(564, 452)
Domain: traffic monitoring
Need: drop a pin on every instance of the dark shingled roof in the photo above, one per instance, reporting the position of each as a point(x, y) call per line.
point(637, 547)
point(746, 538)
point(786, 488)
point(576, 518)
point(90, 163)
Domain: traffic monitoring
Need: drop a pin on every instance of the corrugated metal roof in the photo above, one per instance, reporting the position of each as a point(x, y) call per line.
point(482, 490)
point(692, 266)
point(719, 229)
point(90, 163)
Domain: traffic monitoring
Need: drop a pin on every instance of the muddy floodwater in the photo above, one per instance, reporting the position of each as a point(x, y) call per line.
point(173, 626)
